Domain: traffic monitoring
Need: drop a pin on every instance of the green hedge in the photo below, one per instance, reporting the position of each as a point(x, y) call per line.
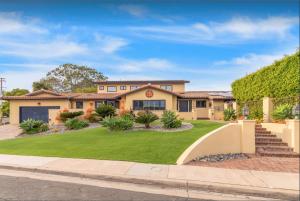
point(278, 80)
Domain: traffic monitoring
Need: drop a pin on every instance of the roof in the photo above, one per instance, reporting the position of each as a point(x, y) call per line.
point(43, 91)
point(143, 82)
point(95, 96)
point(50, 95)
point(149, 86)
point(207, 94)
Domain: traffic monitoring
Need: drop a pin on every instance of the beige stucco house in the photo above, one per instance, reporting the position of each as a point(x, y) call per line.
point(154, 95)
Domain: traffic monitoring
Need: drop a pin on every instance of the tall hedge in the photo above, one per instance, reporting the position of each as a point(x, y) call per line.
point(281, 79)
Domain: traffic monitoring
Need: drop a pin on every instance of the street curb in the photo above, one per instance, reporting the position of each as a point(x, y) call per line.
point(218, 188)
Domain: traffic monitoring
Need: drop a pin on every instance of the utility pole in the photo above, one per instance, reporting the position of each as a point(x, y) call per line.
point(2, 80)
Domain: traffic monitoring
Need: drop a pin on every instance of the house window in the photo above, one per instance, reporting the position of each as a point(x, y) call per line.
point(111, 89)
point(101, 88)
point(201, 104)
point(112, 103)
point(184, 105)
point(167, 87)
point(149, 105)
point(98, 103)
point(122, 87)
point(79, 104)
point(134, 87)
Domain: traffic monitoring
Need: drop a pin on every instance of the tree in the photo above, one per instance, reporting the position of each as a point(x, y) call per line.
point(42, 84)
point(4, 107)
point(86, 90)
point(16, 92)
point(71, 77)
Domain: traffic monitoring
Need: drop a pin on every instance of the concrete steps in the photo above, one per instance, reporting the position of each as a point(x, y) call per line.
point(270, 145)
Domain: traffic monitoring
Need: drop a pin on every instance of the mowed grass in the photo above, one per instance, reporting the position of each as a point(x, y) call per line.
point(100, 143)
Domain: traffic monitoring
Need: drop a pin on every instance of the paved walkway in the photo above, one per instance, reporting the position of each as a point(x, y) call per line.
point(9, 131)
point(193, 175)
point(274, 164)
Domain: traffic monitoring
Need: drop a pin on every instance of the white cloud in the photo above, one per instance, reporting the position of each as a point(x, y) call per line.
point(238, 29)
point(135, 10)
point(12, 23)
point(248, 28)
point(145, 65)
point(110, 44)
point(42, 50)
point(253, 61)
point(21, 79)
point(29, 66)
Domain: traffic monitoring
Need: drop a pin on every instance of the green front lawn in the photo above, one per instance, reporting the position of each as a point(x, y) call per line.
point(100, 143)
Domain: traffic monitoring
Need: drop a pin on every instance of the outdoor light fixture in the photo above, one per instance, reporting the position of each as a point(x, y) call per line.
point(245, 111)
point(296, 111)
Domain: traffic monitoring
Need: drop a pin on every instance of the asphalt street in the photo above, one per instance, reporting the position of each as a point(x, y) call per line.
point(20, 188)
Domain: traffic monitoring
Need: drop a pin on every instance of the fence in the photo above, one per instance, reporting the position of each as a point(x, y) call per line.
point(255, 109)
point(263, 109)
point(292, 100)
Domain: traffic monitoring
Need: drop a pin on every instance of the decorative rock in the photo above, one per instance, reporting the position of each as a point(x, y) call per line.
point(221, 157)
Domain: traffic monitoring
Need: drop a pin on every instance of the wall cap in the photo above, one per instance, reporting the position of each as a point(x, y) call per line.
point(246, 121)
point(292, 120)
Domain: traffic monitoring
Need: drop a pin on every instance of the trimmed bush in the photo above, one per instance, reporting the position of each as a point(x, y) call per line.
point(118, 123)
point(31, 126)
point(170, 120)
point(106, 111)
point(146, 117)
point(64, 116)
point(75, 124)
point(278, 81)
point(128, 114)
point(283, 112)
point(229, 114)
point(94, 118)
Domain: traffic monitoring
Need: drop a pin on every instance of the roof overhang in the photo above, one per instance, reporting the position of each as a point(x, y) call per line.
point(148, 87)
point(143, 82)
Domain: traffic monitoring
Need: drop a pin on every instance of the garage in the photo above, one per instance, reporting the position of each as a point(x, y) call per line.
point(37, 113)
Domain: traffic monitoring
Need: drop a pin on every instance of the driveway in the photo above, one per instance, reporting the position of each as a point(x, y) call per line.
point(9, 131)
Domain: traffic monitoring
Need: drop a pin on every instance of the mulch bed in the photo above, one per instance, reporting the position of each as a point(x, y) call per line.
point(185, 126)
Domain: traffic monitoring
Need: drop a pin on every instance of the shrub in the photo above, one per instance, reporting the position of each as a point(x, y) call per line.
point(146, 117)
point(128, 114)
point(93, 118)
point(76, 124)
point(118, 123)
point(277, 80)
point(229, 114)
point(64, 116)
point(282, 112)
point(170, 120)
point(31, 126)
point(106, 110)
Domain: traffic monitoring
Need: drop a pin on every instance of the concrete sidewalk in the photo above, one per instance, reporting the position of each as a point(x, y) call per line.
point(202, 177)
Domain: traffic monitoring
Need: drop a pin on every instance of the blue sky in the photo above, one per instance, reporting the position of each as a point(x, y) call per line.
point(210, 43)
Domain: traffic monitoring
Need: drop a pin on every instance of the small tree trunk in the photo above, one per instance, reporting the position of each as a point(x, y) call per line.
point(147, 125)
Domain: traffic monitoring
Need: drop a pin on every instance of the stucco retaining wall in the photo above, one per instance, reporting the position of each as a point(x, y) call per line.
point(288, 132)
point(231, 138)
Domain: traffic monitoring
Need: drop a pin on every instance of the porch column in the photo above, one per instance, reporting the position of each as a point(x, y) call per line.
point(267, 109)
point(294, 126)
point(247, 136)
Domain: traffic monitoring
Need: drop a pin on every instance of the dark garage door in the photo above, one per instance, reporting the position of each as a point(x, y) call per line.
point(37, 113)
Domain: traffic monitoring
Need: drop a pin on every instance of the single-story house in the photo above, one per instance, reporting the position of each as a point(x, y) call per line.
point(154, 95)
